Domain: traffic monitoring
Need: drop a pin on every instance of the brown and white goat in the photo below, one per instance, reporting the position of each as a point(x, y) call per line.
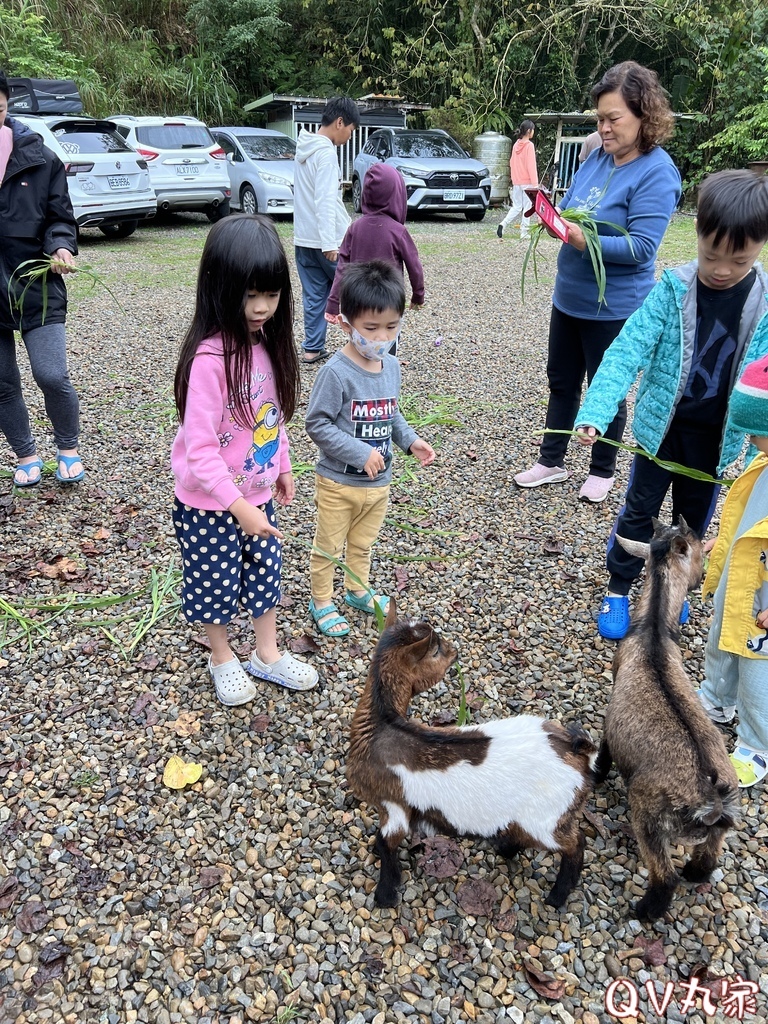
point(519, 782)
point(680, 783)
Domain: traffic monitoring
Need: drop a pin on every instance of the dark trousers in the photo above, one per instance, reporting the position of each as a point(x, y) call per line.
point(648, 485)
point(576, 348)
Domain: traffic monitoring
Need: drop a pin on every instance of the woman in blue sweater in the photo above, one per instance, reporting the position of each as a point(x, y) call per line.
point(631, 182)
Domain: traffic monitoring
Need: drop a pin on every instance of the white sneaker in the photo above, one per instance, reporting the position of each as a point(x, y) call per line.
point(538, 475)
point(233, 687)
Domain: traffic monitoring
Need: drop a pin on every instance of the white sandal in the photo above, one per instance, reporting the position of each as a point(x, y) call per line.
point(286, 671)
point(233, 687)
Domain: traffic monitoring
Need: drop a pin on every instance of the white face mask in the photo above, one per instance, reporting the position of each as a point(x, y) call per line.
point(373, 350)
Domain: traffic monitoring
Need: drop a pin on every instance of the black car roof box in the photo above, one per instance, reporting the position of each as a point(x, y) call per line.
point(43, 96)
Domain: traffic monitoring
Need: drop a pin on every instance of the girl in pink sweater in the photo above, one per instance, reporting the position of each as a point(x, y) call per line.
point(237, 384)
point(523, 175)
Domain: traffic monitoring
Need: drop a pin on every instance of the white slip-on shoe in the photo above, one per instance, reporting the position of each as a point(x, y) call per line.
point(714, 712)
point(286, 671)
point(596, 488)
point(538, 475)
point(233, 687)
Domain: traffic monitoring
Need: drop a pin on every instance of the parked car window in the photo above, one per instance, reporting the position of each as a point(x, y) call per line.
point(226, 144)
point(383, 148)
point(267, 147)
point(80, 140)
point(370, 147)
point(415, 144)
point(175, 136)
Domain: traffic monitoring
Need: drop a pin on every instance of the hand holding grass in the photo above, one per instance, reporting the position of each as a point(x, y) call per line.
point(587, 435)
point(63, 262)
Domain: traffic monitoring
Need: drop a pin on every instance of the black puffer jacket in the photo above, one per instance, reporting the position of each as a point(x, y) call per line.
point(35, 218)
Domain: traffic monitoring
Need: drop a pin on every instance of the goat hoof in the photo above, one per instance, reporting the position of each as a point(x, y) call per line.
point(556, 899)
point(651, 908)
point(386, 898)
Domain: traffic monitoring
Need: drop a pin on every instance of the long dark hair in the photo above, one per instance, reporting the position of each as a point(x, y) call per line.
point(525, 127)
point(242, 253)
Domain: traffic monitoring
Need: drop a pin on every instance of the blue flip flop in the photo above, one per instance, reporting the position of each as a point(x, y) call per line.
point(69, 461)
point(27, 467)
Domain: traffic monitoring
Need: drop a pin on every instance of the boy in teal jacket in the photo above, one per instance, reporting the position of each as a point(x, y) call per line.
point(691, 338)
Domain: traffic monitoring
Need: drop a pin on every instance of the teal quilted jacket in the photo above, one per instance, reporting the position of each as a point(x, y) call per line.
point(658, 341)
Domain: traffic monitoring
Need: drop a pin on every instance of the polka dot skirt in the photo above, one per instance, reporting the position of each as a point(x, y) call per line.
point(225, 570)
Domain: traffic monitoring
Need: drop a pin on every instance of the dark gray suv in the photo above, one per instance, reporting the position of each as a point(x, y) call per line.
point(439, 175)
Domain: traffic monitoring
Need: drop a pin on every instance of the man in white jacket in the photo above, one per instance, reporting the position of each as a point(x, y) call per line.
point(319, 217)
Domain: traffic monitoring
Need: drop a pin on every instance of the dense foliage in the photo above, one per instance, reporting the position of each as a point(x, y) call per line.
point(480, 63)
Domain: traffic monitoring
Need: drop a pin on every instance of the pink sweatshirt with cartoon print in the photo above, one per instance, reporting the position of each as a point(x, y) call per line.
point(214, 459)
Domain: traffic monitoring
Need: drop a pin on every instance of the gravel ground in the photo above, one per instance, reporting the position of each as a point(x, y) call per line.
point(248, 896)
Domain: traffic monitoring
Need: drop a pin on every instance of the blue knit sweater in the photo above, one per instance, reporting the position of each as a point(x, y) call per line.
point(641, 197)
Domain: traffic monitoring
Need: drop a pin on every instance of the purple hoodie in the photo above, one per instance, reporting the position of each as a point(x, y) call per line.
point(380, 234)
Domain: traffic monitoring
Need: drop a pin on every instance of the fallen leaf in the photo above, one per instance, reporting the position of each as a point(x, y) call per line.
point(472, 455)
point(598, 824)
point(140, 704)
point(552, 546)
point(9, 890)
point(515, 646)
point(149, 663)
point(209, 878)
point(442, 857)
point(442, 718)
point(547, 986)
point(477, 898)
point(51, 958)
point(6, 506)
point(374, 965)
point(653, 950)
point(202, 639)
point(187, 724)
point(401, 578)
point(286, 601)
point(91, 879)
point(355, 651)
point(714, 985)
point(260, 723)
point(507, 922)
point(151, 717)
point(60, 568)
point(32, 917)
point(102, 533)
point(461, 954)
point(303, 644)
point(178, 773)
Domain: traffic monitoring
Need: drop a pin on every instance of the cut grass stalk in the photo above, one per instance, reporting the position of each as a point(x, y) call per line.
point(671, 467)
point(31, 271)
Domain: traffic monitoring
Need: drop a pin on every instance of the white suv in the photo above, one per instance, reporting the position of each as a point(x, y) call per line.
point(107, 182)
point(187, 166)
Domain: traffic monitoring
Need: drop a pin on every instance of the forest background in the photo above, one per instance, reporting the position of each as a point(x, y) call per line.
point(480, 63)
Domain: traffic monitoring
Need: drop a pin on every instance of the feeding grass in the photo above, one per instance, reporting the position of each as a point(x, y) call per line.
point(85, 779)
point(435, 410)
point(30, 272)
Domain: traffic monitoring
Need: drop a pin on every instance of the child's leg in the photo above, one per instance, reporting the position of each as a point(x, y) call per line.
point(336, 505)
point(720, 686)
point(648, 485)
point(752, 702)
point(265, 631)
point(363, 531)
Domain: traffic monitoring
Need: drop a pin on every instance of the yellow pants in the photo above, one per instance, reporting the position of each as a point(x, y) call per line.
point(344, 513)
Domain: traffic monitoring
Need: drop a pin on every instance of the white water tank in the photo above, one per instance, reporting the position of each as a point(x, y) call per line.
point(494, 150)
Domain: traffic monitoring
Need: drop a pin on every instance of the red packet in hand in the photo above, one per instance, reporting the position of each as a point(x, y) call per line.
point(548, 215)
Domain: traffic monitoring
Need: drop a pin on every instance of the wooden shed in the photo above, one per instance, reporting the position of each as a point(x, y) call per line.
point(291, 113)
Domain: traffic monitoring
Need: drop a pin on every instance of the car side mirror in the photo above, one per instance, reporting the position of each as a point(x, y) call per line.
point(230, 158)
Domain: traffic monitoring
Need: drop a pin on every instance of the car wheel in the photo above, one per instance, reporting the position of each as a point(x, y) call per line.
point(248, 201)
point(121, 230)
point(357, 195)
point(474, 214)
point(214, 213)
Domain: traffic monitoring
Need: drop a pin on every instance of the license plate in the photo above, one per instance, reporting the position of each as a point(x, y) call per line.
point(455, 195)
point(119, 181)
point(187, 169)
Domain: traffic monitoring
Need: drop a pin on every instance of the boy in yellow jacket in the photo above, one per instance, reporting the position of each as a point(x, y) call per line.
point(736, 661)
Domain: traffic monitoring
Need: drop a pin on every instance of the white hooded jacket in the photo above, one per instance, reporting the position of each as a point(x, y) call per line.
point(319, 217)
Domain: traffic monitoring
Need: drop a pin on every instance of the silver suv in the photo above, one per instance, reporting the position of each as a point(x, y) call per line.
point(187, 166)
point(107, 182)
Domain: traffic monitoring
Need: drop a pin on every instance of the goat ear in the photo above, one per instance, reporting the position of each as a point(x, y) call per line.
point(419, 650)
point(634, 547)
point(684, 527)
point(656, 523)
point(391, 613)
point(680, 545)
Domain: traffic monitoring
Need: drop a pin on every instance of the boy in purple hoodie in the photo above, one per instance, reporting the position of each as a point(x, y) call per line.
point(380, 234)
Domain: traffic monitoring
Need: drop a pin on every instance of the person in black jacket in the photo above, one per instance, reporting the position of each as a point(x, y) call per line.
point(36, 219)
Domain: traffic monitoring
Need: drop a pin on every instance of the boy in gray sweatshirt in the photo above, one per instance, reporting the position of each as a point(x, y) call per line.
point(353, 418)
